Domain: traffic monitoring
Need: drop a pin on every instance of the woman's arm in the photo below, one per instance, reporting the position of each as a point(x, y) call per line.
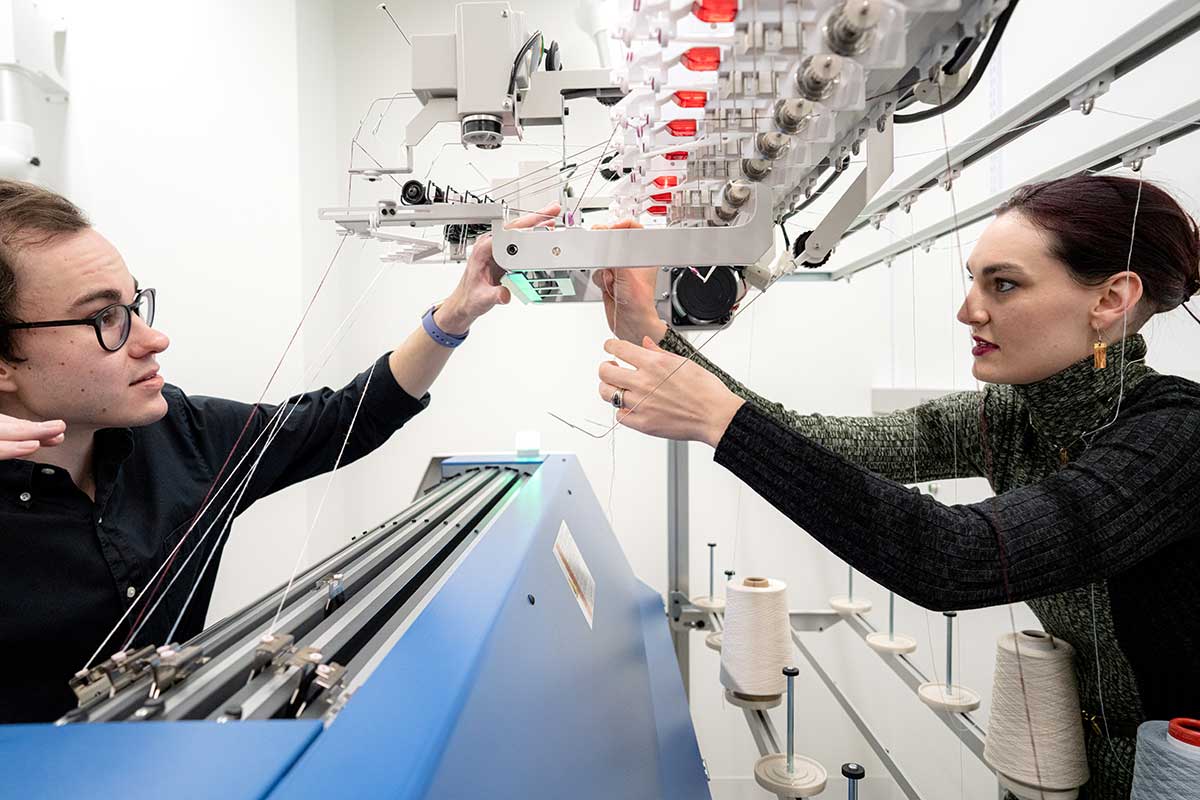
point(1132, 493)
point(945, 430)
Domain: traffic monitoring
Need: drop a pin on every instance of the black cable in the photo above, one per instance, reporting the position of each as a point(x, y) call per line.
point(966, 49)
point(824, 187)
point(984, 59)
point(1190, 314)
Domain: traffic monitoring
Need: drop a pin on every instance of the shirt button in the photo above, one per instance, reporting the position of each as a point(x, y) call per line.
point(47, 470)
point(25, 497)
point(131, 592)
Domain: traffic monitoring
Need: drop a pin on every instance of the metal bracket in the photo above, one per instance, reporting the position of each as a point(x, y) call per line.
point(684, 615)
point(1083, 99)
point(527, 249)
point(880, 162)
point(1134, 158)
point(946, 179)
point(111, 675)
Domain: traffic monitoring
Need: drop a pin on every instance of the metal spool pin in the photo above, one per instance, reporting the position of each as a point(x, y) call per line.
point(789, 774)
point(847, 603)
point(711, 602)
point(947, 696)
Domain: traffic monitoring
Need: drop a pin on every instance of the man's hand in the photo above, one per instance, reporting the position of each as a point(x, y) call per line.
point(629, 297)
point(479, 289)
point(20, 438)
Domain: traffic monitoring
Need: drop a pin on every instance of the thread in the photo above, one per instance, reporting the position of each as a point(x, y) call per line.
point(1168, 760)
point(1035, 732)
point(756, 643)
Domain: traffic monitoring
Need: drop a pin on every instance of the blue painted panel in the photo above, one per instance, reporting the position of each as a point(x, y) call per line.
point(150, 759)
point(678, 750)
point(490, 695)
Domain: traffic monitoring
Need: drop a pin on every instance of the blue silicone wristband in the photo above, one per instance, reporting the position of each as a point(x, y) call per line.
point(439, 335)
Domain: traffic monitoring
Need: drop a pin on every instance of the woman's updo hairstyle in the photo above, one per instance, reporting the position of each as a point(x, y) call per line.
point(1089, 219)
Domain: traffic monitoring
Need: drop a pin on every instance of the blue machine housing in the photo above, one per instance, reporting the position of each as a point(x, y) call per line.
point(499, 688)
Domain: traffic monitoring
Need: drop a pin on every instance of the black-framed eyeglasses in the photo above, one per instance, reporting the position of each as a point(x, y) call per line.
point(111, 323)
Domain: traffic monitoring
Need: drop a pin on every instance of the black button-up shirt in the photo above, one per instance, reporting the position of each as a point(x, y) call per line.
point(71, 567)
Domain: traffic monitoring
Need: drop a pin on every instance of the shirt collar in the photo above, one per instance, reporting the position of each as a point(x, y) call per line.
point(1082, 398)
point(113, 445)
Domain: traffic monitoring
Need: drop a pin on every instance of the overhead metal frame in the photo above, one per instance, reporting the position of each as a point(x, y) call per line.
point(1127, 148)
point(1083, 82)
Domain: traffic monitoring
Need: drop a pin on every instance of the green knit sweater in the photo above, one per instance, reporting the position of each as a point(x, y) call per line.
point(946, 557)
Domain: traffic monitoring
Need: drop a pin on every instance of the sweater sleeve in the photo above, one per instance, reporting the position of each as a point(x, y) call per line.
point(1134, 492)
point(279, 446)
point(936, 440)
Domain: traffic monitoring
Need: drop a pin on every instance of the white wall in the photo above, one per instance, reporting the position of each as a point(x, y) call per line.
point(203, 137)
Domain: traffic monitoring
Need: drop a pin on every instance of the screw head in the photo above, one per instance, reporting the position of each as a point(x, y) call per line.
point(511, 249)
point(531, 599)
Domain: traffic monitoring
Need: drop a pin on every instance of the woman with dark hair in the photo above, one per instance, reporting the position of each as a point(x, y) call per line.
point(1090, 452)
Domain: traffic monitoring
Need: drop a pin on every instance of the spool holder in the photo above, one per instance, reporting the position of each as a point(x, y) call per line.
point(947, 695)
point(891, 642)
point(711, 602)
point(790, 774)
point(847, 603)
point(1023, 791)
point(767, 739)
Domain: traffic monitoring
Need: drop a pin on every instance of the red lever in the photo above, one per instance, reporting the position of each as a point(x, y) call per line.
point(701, 59)
point(715, 10)
point(682, 127)
point(690, 99)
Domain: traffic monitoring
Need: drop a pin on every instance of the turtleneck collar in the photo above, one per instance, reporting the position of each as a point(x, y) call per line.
point(1082, 398)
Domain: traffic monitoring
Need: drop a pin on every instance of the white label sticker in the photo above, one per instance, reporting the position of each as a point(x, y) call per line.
point(579, 577)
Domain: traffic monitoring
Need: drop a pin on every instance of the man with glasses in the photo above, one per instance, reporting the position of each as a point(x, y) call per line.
point(104, 467)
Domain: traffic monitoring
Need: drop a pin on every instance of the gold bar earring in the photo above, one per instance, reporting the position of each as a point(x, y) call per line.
point(1099, 352)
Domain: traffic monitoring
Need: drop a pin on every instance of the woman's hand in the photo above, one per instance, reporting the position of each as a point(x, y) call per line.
point(20, 438)
point(479, 289)
point(667, 395)
point(629, 301)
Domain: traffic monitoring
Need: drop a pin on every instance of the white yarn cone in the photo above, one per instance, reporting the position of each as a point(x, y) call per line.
point(757, 640)
point(1048, 706)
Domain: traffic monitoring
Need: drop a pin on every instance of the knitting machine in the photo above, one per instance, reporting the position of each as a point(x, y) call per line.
point(488, 640)
point(725, 115)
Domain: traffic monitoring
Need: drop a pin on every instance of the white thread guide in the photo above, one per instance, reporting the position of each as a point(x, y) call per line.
point(579, 577)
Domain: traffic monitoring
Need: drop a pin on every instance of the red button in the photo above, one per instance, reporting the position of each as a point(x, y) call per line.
point(676, 155)
point(688, 99)
point(663, 181)
point(682, 127)
point(702, 59)
point(715, 10)
point(658, 211)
